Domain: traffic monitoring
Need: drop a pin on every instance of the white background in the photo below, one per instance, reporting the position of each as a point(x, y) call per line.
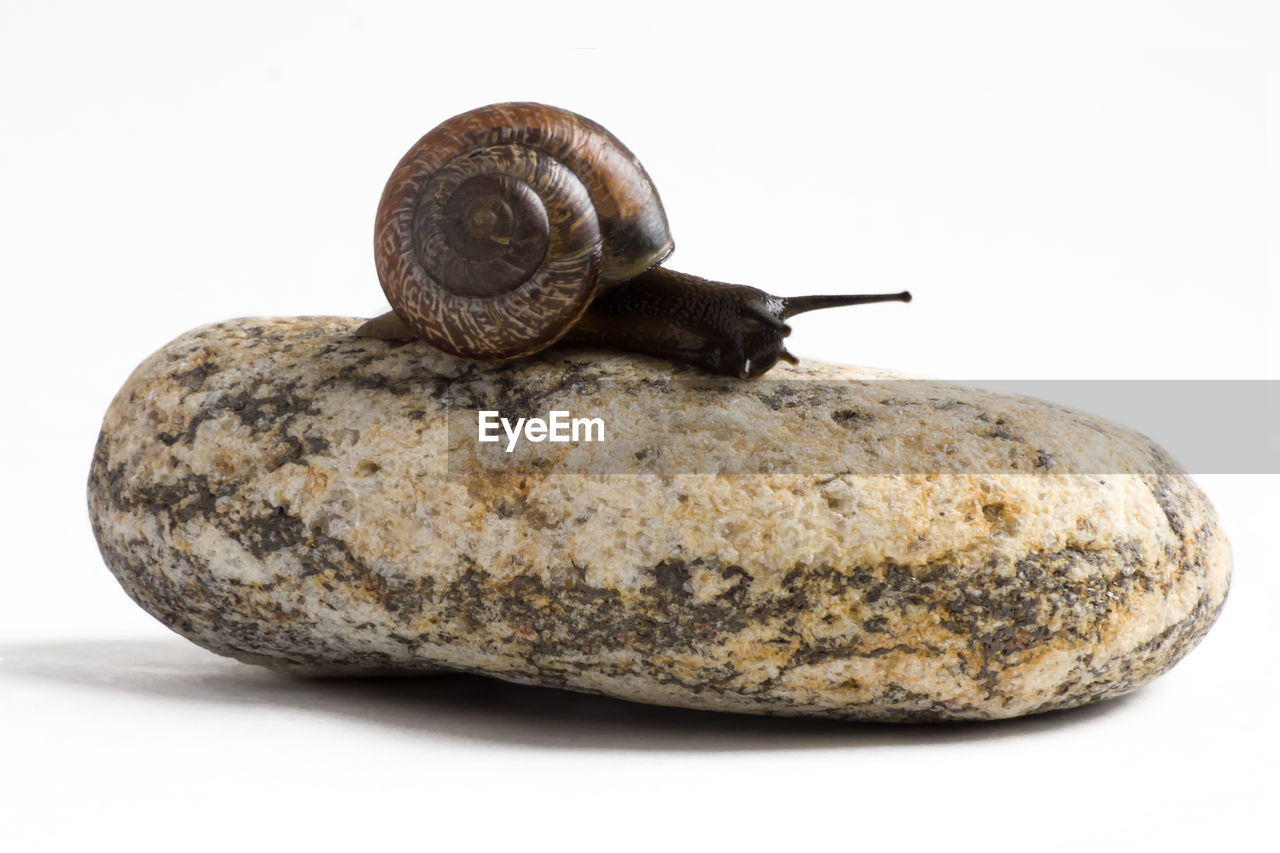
point(1071, 190)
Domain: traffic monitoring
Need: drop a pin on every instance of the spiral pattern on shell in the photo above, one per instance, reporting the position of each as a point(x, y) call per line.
point(498, 227)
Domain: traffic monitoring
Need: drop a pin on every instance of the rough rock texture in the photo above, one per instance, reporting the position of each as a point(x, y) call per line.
point(278, 491)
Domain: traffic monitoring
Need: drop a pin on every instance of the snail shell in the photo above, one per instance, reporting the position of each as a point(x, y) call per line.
point(498, 228)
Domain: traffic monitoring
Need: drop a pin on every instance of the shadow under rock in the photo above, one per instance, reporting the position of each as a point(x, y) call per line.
point(475, 707)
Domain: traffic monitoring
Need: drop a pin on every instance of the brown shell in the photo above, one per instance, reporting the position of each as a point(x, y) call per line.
point(574, 210)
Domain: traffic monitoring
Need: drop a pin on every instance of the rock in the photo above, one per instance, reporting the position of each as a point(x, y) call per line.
point(282, 492)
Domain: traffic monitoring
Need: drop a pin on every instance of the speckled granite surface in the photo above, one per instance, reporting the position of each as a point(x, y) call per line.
point(280, 491)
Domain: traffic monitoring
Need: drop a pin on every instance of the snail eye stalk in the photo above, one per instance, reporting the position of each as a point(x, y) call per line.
point(794, 305)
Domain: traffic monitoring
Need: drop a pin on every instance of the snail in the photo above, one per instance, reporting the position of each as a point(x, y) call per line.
point(513, 226)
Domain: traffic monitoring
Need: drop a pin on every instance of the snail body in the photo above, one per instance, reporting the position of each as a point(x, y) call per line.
point(511, 226)
point(728, 329)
